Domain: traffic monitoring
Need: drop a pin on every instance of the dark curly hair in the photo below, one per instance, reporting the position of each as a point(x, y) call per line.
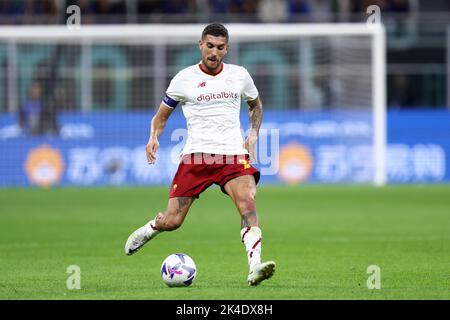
point(216, 30)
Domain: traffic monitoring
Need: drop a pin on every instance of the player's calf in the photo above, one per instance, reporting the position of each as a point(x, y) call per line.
point(167, 222)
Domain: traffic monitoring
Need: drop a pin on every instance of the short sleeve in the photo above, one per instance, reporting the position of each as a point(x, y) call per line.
point(175, 92)
point(249, 92)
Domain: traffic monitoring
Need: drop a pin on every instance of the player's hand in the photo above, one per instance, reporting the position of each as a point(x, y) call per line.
point(250, 146)
point(151, 148)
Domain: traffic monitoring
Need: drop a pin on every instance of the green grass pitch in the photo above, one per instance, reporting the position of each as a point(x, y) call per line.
point(323, 238)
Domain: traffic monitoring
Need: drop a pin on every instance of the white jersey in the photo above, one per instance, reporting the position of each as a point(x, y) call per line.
point(211, 105)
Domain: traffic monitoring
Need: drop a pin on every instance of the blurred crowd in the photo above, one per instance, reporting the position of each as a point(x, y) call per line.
point(147, 11)
point(416, 43)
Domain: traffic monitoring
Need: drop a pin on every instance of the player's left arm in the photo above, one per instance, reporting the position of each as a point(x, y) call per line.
point(255, 112)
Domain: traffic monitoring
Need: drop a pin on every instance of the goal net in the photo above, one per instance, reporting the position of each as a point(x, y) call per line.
point(323, 88)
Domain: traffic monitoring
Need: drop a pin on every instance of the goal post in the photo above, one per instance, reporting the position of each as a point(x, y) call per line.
point(309, 67)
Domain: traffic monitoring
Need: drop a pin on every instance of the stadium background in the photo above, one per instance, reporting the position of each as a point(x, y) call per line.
point(52, 136)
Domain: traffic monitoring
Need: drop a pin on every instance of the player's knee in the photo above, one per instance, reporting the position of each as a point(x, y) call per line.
point(246, 201)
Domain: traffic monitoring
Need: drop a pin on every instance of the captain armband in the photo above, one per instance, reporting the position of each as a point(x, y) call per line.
point(171, 103)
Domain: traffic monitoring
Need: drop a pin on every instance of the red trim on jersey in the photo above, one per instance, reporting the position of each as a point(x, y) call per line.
point(248, 229)
point(209, 73)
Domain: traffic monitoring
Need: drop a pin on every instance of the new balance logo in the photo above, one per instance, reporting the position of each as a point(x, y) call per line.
point(201, 85)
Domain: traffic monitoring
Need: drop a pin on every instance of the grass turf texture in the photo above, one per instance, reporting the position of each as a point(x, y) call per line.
point(322, 238)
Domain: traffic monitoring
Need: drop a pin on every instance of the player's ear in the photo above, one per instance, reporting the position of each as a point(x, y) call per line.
point(200, 44)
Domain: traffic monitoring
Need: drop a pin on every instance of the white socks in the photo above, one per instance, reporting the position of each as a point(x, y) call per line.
point(150, 228)
point(251, 237)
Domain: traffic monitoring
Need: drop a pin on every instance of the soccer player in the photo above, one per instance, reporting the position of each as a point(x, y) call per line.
point(210, 94)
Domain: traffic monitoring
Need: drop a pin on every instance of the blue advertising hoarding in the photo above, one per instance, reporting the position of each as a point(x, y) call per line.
point(295, 147)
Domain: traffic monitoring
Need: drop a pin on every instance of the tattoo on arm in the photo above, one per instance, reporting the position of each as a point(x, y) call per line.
point(249, 219)
point(255, 114)
point(183, 202)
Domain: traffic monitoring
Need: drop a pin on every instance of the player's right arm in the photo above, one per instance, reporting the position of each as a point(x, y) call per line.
point(174, 95)
point(157, 128)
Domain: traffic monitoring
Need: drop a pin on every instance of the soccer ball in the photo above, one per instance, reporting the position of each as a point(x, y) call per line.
point(178, 270)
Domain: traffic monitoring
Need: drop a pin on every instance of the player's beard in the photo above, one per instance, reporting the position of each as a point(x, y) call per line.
point(212, 66)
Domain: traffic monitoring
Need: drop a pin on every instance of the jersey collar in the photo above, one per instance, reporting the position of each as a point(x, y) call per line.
point(208, 73)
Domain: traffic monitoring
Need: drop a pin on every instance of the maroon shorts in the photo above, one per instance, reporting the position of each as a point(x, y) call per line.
point(198, 171)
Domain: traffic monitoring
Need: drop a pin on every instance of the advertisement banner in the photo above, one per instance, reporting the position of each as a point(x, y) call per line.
point(294, 147)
